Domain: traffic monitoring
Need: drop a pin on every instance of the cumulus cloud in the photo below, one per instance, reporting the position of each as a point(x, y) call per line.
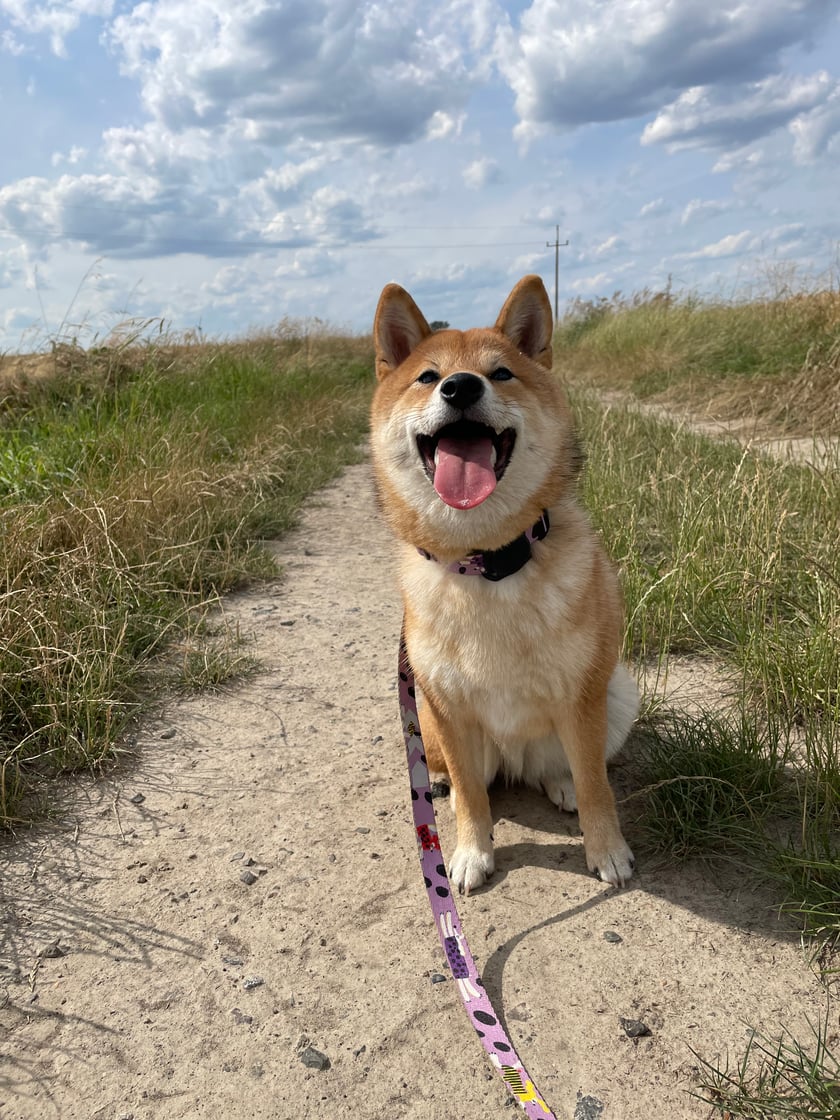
point(331, 68)
point(442, 125)
point(573, 62)
point(117, 215)
point(56, 19)
point(480, 173)
point(735, 115)
point(728, 246)
point(75, 155)
point(817, 131)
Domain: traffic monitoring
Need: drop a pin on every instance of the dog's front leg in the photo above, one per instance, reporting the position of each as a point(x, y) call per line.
point(583, 733)
point(461, 746)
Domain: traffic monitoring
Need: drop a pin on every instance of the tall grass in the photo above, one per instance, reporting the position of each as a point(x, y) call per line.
point(732, 555)
point(774, 358)
point(135, 484)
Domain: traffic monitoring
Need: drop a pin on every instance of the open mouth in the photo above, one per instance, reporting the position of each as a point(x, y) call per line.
point(465, 461)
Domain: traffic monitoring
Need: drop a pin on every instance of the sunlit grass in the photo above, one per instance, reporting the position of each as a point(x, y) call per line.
point(135, 486)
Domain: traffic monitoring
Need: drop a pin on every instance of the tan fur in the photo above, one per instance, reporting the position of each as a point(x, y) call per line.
point(521, 676)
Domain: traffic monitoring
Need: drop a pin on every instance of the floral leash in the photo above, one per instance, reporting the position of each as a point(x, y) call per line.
point(480, 1010)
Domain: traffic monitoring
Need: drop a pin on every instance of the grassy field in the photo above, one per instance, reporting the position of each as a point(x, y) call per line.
point(730, 557)
point(773, 359)
point(134, 485)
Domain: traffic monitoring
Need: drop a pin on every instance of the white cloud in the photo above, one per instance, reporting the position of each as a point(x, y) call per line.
point(480, 173)
point(57, 19)
point(443, 125)
point(330, 68)
point(817, 131)
point(732, 116)
point(655, 207)
point(728, 246)
point(10, 44)
point(595, 283)
point(573, 62)
point(75, 155)
point(699, 209)
point(608, 247)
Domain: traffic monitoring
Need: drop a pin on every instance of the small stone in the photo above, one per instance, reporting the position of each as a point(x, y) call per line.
point(314, 1059)
point(234, 962)
point(52, 951)
point(588, 1108)
point(437, 978)
point(237, 856)
point(251, 982)
point(288, 622)
point(362, 830)
point(613, 937)
point(137, 799)
point(238, 1017)
point(634, 1028)
point(248, 877)
point(169, 733)
point(142, 878)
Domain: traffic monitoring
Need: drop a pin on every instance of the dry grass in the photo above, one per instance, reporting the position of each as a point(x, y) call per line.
point(135, 480)
point(775, 360)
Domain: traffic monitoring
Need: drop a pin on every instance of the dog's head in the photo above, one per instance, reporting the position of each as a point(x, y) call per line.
point(472, 437)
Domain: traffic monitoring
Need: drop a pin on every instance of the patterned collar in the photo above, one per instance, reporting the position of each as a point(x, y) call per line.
point(501, 562)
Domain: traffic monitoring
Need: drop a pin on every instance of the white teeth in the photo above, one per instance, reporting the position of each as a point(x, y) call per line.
point(493, 456)
point(437, 455)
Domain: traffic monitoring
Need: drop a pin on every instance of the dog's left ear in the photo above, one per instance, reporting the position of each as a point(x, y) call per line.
point(398, 327)
point(526, 320)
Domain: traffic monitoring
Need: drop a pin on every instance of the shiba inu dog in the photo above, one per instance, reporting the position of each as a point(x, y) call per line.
point(512, 610)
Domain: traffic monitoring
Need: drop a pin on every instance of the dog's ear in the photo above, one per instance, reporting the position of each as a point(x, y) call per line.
point(526, 320)
point(397, 328)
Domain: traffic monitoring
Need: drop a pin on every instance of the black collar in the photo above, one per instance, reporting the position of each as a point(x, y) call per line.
point(499, 563)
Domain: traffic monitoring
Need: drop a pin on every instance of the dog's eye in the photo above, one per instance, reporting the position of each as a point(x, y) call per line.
point(501, 374)
point(428, 376)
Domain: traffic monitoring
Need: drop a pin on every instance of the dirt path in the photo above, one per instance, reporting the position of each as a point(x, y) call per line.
point(142, 978)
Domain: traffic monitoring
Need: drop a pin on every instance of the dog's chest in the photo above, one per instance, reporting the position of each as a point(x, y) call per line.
point(506, 654)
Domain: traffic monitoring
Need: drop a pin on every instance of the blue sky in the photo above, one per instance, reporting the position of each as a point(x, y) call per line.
point(224, 165)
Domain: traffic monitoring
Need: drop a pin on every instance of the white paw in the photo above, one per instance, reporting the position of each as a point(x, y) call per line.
point(562, 792)
point(614, 866)
point(470, 868)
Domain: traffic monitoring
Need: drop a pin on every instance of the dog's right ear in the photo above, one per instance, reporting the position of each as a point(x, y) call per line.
point(398, 327)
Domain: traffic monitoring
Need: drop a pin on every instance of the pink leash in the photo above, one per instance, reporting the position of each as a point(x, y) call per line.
point(476, 1002)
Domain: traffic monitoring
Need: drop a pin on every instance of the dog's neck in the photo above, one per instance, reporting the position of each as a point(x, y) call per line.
point(500, 562)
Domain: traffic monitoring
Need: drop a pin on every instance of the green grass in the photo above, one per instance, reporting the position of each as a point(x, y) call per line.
point(135, 486)
point(730, 557)
point(775, 1079)
point(774, 358)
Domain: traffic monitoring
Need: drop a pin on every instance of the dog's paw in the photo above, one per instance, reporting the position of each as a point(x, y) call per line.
point(470, 868)
point(561, 791)
point(614, 866)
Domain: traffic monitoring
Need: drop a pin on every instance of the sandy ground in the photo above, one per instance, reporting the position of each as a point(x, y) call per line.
point(143, 978)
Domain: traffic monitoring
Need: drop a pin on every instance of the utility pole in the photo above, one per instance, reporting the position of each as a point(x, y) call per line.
point(556, 245)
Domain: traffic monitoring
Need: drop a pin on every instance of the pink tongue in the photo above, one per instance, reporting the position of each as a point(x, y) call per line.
point(464, 474)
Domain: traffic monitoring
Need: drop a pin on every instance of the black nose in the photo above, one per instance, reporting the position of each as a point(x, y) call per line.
point(462, 389)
